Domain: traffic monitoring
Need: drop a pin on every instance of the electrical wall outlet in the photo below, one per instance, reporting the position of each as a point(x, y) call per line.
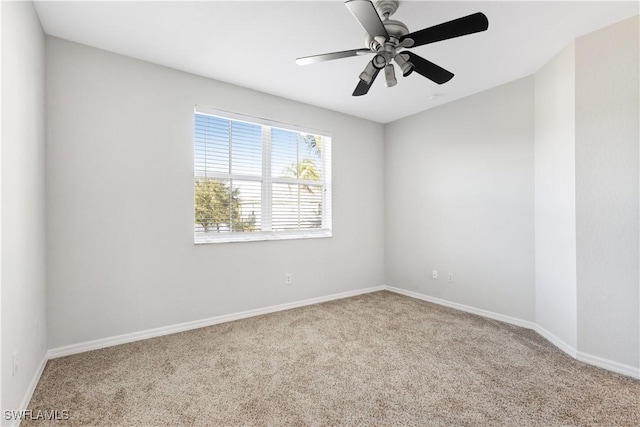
point(288, 279)
point(434, 274)
point(450, 277)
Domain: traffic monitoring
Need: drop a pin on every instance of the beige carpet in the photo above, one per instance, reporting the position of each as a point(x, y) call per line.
point(375, 359)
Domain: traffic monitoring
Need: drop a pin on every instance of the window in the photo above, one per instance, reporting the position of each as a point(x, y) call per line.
point(259, 180)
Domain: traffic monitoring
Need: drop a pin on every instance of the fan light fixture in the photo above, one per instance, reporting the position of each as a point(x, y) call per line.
point(369, 72)
point(379, 61)
point(390, 76)
point(406, 66)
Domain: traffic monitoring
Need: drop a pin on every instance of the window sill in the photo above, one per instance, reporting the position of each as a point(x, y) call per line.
point(260, 237)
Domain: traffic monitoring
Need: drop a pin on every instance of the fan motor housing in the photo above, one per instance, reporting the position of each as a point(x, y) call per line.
point(395, 29)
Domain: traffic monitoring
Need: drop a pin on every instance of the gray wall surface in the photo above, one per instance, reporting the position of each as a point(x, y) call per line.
point(23, 200)
point(607, 192)
point(120, 202)
point(459, 199)
point(555, 200)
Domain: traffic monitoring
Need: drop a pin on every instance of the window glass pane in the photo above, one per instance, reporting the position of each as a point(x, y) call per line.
point(246, 149)
point(247, 211)
point(227, 206)
point(284, 207)
point(296, 155)
point(309, 157)
point(211, 145)
point(284, 155)
point(296, 206)
point(310, 206)
point(212, 198)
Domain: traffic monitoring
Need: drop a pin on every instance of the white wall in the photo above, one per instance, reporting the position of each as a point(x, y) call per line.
point(607, 192)
point(555, 210)
point(120, 202)
point(23, 200)
point(459, 198)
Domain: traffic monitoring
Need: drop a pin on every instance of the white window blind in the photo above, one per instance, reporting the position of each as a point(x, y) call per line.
point(259, 180)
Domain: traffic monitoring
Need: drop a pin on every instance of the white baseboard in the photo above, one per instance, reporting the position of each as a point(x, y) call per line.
point(181, 327)
point(562, 345)
point(32, 387)
point(462, 307)
point(609, 365)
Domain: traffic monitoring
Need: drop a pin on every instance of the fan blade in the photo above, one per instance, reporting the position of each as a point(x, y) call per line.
point(365, 13)
point(428, 69)
point(448, 30)
point(362, 87)
point(305, 60)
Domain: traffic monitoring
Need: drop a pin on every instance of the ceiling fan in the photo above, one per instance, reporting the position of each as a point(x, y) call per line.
point(387, 39)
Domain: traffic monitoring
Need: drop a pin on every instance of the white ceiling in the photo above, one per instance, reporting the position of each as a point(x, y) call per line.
point(254, 44)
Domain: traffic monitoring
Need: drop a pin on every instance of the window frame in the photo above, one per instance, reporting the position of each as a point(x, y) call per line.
point(267, 181)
